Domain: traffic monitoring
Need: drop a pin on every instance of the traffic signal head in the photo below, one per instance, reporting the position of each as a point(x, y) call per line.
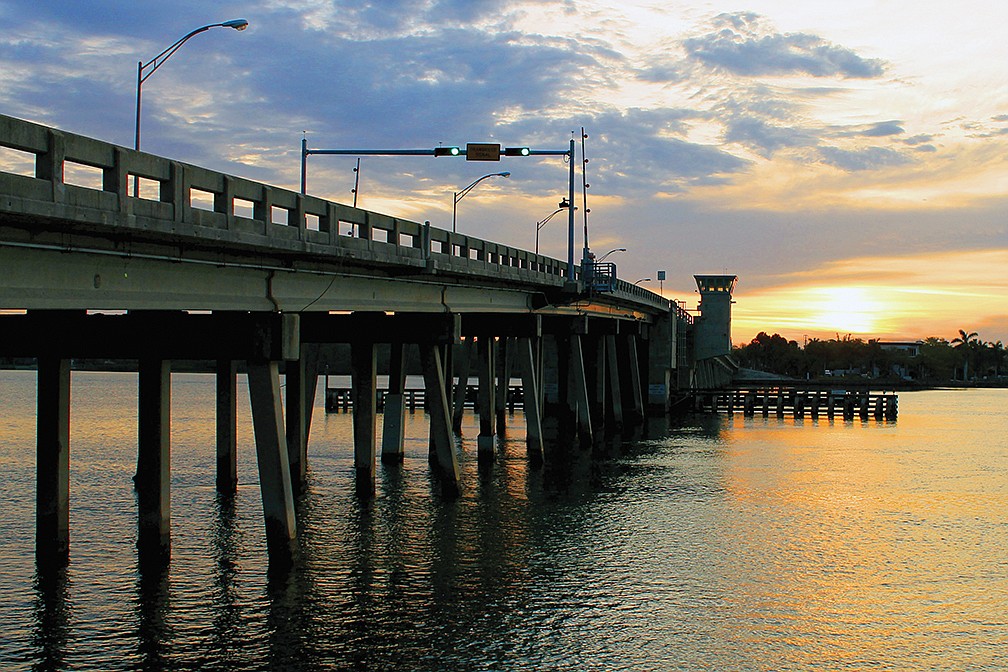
point(517, 151)
point(446, 151)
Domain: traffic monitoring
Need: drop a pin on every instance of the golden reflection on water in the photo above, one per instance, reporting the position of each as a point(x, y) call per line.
point(855, 538)
point(717, 543)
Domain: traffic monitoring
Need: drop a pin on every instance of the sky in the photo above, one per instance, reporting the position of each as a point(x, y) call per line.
point(846, 160)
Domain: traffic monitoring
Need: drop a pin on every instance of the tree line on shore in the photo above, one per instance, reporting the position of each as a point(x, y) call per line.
point(934, 360)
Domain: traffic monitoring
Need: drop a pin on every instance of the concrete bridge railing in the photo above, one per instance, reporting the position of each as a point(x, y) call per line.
point(54, 174)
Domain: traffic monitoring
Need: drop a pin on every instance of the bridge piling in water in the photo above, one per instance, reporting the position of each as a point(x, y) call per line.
point(227, 426)
point(579, 388)
point(530, 398)
point(153, 475)
point(394, 414)
point(52, 464)
point(486, 442)
point(461, 388)
point(363, 385)
point(272, 459)
point(443, 445)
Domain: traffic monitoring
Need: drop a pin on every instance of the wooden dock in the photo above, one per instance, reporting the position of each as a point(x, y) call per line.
point(799, 402)
point(340, 399)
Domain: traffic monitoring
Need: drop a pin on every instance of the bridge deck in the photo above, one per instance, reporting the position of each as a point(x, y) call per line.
point(244, 245)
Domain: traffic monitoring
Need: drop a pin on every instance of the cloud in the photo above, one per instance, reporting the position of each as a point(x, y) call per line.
point(918, 139)
point(743, 44)
point(869, 158)
point(766, 139)
point(883, 128)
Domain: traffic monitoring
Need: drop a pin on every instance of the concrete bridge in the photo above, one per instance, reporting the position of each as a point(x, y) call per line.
point(200, 265)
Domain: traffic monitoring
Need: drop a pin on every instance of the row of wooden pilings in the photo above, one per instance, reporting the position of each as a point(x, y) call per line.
point(579, 378)
point(797, 402)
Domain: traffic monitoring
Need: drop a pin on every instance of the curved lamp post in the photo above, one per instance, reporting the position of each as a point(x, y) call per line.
point(145, 70)
point(459, 195)
point(642, 280)
point(564, 204)
point(602, 258)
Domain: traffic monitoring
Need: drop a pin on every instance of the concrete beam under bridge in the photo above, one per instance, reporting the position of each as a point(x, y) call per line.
point(158, 334)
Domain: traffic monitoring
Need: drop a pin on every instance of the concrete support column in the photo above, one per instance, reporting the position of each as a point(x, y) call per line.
point(559, 420)
point(448, 366)
point(486, 443)
point(443, 448)
point(660, 364)
point(593, 351)
point(227, 427)
point(153, 477)
point(301, 381)
point(633, 373)
point(503, 372)
point(393, 422)
point(363, 363)
point(458, 408)
point(579, 390)
point(615, 389)
point(274, 468)
point(530, 397)
point(52, 492)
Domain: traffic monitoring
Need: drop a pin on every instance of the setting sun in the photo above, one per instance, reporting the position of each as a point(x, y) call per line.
point(846, 310)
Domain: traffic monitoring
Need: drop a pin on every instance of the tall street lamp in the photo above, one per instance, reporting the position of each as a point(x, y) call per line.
point(642, 280)
point(145, 70)
point(459, 195)
point(563, 205)
point(602, 258)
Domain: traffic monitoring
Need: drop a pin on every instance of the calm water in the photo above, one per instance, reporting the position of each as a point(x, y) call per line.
point(721, 543)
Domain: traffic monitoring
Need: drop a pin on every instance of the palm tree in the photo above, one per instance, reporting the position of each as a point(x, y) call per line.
point(965, 342)
point(998, 351)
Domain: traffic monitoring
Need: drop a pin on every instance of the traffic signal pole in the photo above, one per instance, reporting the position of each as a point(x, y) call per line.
point(474, 149)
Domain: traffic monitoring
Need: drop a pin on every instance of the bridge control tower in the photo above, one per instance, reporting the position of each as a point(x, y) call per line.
point(712, 330)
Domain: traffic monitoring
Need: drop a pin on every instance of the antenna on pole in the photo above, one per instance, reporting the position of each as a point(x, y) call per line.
point(356, 182)
point(584, 190)
point(304, 162)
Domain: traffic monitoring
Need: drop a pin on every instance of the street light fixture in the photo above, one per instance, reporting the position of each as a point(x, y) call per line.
point(145, 70)
point(563, 205)
point(602, 258)
point(459, 195)
point(642, 280)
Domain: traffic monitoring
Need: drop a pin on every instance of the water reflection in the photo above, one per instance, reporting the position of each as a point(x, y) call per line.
point(151, 611)
point(52, 617)
point(710, 543)
point(285, 623)
point(226, 635)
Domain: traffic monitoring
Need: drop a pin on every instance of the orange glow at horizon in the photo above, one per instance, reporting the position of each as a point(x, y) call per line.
point(889, 298)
